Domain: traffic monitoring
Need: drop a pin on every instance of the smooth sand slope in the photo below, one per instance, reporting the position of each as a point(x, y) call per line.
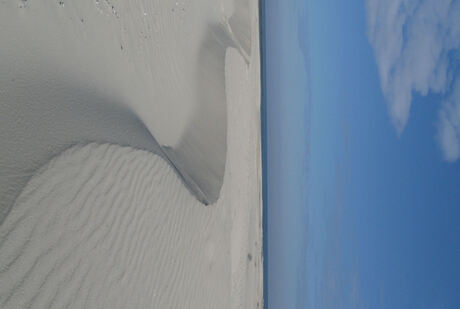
point(173, 87)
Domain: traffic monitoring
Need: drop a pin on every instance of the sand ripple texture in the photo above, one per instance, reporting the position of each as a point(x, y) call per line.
point(102, 102)
point(139, 73)
point(109, 226)
point(104, 226)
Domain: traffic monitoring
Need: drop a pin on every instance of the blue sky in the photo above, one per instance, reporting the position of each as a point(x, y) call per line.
point(363, 106)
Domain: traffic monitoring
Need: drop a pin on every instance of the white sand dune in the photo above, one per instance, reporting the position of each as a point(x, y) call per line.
point(173, 87)
point(118, 71)
point(104, 226)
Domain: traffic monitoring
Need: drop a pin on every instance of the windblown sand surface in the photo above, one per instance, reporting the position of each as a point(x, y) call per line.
point(118, 120)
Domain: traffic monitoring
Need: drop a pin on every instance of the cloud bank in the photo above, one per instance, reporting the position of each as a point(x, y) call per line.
point(415, 44)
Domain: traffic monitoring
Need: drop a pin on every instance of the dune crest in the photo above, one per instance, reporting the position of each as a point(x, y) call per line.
point(104, 226)
point(110, 71)
point(107, 109)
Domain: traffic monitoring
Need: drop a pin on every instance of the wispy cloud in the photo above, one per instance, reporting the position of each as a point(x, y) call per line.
point(413, 42)
point(449, 125)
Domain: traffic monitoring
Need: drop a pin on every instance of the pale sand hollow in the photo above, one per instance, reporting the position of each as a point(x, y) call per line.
point(118, 118)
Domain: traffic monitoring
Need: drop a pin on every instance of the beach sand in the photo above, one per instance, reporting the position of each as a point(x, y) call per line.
point(120, 121)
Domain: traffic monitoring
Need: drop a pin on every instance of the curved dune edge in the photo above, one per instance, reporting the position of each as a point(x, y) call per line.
point(240, 25)
point(106, 226)
point(73, 76)
point(67, 82)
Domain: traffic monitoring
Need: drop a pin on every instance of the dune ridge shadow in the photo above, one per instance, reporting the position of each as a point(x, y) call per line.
point(240, 25)
point(41, 118)
point(202, 150)
point(34, 131)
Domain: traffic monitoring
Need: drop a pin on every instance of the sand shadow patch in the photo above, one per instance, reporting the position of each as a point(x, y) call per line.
point(40, 118)
point(200, 155)
point(201, 152)
point(240, 25)
point(50, 117)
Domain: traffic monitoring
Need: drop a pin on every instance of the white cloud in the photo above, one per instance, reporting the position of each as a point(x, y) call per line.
point(412, 40)
point(449, 125)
